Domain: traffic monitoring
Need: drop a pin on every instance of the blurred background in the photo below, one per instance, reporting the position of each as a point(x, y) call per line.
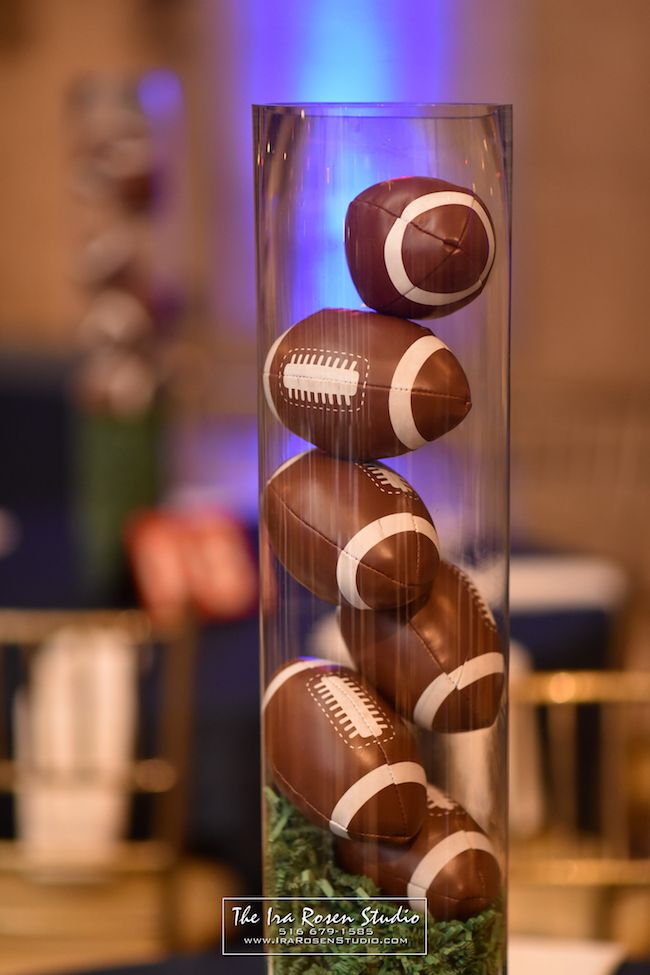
point(129, 465)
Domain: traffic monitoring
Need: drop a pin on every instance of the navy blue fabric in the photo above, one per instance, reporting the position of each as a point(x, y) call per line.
point(224, 818)
point(561, 639)
point(36, 486)
point(574, 639)
point(34, 434)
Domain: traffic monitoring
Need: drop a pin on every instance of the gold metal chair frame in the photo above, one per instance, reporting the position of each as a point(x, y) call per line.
point(564, 858)
point(164, 776)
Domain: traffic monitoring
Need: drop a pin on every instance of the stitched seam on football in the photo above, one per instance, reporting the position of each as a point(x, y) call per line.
point(373, 740)
point(398, 216)
point(390, 838)
point(380, 745)
point(480, 605)
point(435, 270)
point(423, 282)
point(324, 382)
point(476, 596)
point(396, 787)
point(405, 389)
point(430, 652)
point(454, 684)
point(483, 894)
point(395, 582)
point(401, 389)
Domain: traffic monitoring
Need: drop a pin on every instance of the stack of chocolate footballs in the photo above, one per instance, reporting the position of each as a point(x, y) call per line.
point(362, 385)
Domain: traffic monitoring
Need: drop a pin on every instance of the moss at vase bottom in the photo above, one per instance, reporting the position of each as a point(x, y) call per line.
point(300, 863)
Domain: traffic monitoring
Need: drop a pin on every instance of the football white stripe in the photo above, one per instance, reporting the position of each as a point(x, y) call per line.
point(369, 786)
point(443, 853)
point(369, 536)
point(266, 377)
point(288, 673)
point(400, 408)
point(395, 237)
point(437, 692)
point(287, 463)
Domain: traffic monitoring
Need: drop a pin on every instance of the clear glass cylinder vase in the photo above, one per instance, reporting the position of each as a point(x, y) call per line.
point(383, 260)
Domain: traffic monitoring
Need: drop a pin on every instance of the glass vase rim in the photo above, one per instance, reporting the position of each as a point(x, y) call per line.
point(406, 109)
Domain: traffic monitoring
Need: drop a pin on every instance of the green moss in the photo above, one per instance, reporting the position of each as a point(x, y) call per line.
point(300, 863)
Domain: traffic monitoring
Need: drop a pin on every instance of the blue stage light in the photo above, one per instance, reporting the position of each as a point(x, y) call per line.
point(343, 51)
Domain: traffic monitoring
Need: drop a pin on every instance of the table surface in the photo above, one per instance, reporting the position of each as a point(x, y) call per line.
point(214, 963)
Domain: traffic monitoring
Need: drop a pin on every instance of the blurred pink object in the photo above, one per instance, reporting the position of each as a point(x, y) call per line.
point(192, 562)
point(158, 568)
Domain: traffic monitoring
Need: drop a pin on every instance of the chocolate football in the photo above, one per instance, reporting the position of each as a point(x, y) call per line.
point(362, 385)
point(418, 247)
point(438, 661)
point(340, 754)
point(451, 862)
point(351, 532)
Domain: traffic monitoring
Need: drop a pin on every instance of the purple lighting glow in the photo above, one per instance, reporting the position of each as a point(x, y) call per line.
point(160, 94)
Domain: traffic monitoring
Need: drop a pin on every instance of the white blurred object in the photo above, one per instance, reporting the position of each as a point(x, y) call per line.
point(526, 791)
point(106, 255)
point(325, 640)
point(473, 764)
point(118, 382)
point(555, 582)
point(470, 765)
point(115, 316)
point(538, 956)
point(565, 582)
point(74, 732)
